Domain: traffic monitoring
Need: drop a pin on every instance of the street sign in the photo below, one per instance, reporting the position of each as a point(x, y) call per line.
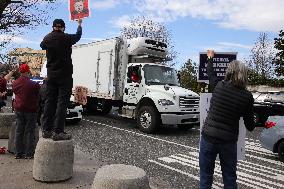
point(79, 9)
point(221, 61)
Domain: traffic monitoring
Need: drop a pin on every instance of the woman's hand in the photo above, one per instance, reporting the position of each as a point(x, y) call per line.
point(210, 53)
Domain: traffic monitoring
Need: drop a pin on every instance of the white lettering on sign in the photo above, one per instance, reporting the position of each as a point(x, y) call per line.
point(221, 74)
point(221, 60)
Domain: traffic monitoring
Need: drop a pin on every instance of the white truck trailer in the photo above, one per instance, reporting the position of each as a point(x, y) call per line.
point(105, 68)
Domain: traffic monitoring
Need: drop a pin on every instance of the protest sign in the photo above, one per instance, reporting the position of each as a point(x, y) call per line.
point(81, 95)
point(79, 9)
point(204, 105)
point(221, 61)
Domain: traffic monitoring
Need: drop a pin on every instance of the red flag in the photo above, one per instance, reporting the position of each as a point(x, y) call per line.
point(79, 9)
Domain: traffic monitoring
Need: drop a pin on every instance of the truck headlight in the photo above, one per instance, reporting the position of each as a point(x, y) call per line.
point(165, 102)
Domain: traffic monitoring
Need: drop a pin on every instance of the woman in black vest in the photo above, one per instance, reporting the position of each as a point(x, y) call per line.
point(230, 101)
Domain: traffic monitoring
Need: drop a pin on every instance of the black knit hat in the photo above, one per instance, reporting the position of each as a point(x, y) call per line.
point(58, 23)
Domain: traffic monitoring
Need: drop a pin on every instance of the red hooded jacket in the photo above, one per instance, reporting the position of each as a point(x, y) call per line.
point(26, 95)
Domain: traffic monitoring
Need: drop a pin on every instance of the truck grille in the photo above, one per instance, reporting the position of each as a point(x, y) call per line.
point(188, 102)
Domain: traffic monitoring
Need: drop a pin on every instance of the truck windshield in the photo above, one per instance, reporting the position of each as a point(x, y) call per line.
point(160, 75)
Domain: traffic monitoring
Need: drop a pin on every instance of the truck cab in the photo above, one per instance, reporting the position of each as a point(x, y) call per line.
point(157, 98)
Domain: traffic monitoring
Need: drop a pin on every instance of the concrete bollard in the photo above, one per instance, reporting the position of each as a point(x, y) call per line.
point(53, 160)
point(11, 142)
point(6, 120)
point(120, 176)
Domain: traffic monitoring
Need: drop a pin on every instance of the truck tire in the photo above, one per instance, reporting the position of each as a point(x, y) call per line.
point(281, 151)
point(91, 105)
point(186, 127)
point(148, 119)
point(104, 106)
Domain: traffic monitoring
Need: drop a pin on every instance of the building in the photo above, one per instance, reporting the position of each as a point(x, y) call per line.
point(34, 58)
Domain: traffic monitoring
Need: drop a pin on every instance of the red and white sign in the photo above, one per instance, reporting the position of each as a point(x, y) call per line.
point(79, 9)
point(81, 95)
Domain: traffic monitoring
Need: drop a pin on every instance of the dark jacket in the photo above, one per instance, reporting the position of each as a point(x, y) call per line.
point(3, 87)
point(58, 46)
point(227, 105)
point(26, 95)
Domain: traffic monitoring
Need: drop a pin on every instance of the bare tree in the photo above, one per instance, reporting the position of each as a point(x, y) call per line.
point(143, 27)
point(262, 56)
point(18, 16)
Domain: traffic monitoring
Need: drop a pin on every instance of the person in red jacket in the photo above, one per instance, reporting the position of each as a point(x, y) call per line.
point(134, 77)
point(26, 106)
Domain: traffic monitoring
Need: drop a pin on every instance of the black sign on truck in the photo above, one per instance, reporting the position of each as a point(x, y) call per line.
point(221, 61)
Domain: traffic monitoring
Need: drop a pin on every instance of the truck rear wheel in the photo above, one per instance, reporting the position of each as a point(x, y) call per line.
point(92, 104)
point(104, 106)
point(281, 151)
point(148, 119)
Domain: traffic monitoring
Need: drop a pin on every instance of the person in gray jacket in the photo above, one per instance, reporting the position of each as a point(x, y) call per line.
point(230, 101)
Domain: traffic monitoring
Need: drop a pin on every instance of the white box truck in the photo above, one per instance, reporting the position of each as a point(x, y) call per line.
point(132, 75)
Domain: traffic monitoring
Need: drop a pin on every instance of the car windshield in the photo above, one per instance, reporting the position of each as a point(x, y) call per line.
point(160, 75)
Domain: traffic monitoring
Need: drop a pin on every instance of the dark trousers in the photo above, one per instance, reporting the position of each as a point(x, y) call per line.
point(228, 160)
point(57, 101)
point(25, 133)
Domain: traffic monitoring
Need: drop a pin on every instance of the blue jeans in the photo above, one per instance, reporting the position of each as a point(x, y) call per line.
point(25, 134)
point(228, 160)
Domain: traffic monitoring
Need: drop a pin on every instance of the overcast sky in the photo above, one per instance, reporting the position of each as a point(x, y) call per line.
point(196, 25)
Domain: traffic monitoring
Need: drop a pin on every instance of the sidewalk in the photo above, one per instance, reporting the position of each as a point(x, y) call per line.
point(17, 174)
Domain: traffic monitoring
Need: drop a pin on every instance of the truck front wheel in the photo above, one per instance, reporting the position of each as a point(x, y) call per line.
point(148, 119)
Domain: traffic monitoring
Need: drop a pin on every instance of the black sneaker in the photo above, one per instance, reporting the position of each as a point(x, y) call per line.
point(61, 136)
point(46, 134)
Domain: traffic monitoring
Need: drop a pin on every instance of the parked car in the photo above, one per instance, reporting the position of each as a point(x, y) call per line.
point(268, 104)
point(272, 138)
point(74, 110)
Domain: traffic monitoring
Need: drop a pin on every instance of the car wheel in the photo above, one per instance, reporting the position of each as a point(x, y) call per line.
point(186, 127)
point(148, 119)
point(281, 151)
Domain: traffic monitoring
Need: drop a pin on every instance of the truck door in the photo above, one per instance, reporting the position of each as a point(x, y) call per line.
point(104, 70)
point(133, 90)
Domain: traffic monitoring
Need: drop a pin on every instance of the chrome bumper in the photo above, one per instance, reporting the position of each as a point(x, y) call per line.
point(174, 119)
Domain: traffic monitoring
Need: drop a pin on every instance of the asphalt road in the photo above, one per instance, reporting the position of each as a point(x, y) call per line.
point(170, 157)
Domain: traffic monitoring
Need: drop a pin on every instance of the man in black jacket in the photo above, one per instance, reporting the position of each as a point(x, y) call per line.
point(230, 101)
point(58, 46)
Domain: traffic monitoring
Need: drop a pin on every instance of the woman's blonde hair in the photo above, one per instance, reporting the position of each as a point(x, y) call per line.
point(237, 74)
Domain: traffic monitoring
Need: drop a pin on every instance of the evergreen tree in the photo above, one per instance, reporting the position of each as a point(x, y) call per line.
point(279, 60)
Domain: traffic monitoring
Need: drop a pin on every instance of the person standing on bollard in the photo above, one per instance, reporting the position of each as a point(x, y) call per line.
point(59, 83)
point(26, 106)
point(230, 101)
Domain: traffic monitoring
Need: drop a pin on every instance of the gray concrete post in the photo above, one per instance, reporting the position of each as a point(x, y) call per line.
point(120, 176)
point(6, 120)
point(53, 160)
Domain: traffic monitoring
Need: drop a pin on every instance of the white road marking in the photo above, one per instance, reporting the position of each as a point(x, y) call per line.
point(184, 173)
